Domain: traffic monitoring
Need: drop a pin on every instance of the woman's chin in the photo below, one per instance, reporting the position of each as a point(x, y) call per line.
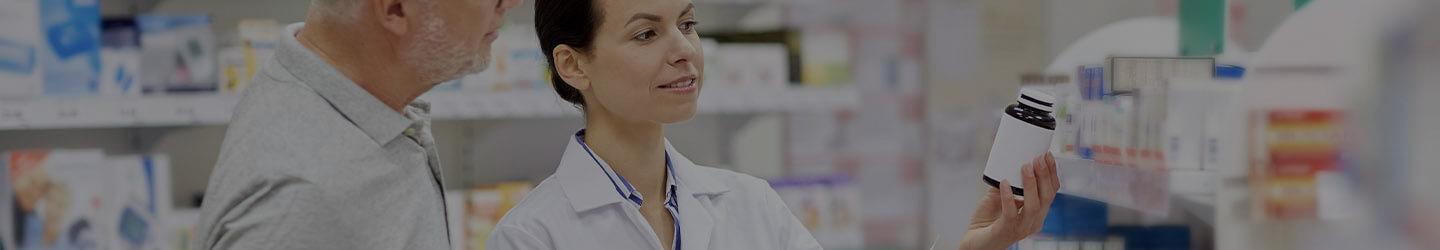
point(677, 114)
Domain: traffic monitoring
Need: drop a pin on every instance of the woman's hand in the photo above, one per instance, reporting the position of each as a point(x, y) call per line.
point(1000, 221)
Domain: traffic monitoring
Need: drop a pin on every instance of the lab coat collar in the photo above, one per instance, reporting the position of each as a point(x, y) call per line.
point(587, 187)
point(692, 177)
point(696, 223)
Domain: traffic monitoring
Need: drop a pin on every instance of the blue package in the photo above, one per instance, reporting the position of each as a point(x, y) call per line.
point(71, 62)
point(133, 229)
point(16, 57)
point(1229, 72)
point(148, 163)
point(1154, 237)
point(1075, 217)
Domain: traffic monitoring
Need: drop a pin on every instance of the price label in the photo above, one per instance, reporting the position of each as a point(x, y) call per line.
point(9, 114)
point(129, 112)
point(67, 113)
point(185, 112)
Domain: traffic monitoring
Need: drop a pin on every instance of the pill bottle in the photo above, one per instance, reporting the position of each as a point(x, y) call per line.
point(1025, 133)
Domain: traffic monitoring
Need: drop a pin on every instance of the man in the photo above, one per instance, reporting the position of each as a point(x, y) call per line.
point(329, 149)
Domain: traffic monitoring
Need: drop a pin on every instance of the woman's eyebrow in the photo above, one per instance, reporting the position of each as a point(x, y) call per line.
point(643, 16)
point(688, 9)
point(657, 18)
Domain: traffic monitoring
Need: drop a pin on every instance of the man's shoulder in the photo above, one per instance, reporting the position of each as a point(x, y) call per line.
point(280, 119)
point(276, 96)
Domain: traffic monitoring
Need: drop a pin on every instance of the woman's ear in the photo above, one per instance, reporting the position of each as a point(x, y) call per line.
point(569, 64)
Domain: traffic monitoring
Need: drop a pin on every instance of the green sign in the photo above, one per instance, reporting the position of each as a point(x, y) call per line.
point(1202, 27)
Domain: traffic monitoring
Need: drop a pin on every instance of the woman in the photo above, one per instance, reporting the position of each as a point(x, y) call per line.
point(634, 66)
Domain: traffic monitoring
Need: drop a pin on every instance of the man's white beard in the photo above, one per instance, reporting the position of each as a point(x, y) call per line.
point(439, 58)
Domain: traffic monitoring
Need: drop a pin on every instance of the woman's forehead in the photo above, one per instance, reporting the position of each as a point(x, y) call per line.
point(624, 11)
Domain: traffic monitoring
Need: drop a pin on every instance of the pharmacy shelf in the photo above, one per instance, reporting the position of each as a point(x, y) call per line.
point(1200, 205)
point(200, 110)
point(1152, 191)
point(102, 112)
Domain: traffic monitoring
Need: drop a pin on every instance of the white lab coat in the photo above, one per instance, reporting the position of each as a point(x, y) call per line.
point(578, 208)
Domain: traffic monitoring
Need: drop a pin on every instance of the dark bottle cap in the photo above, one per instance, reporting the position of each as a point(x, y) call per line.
point(1037, 99)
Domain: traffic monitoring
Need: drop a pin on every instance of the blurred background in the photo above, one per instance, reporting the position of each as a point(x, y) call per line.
point(1180, 124)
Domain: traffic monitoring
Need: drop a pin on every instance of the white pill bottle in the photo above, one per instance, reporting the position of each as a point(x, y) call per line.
point(1025, 132)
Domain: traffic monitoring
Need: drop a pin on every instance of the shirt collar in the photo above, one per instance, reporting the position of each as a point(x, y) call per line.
point(362, 109)
point(589, 183)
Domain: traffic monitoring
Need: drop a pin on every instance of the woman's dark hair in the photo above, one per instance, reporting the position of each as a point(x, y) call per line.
point(565, 22)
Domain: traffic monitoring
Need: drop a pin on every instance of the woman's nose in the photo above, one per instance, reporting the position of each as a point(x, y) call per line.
point(506, 5)
point(684, 51)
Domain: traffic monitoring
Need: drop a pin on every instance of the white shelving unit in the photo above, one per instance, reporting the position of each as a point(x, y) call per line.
point(1149, 190)
point(199, 110)
point(1138, 188)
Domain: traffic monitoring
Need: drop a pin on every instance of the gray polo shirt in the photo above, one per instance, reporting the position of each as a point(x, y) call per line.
point(312, 161)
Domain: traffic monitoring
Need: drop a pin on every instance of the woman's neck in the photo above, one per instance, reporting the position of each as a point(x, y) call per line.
point(635, 150)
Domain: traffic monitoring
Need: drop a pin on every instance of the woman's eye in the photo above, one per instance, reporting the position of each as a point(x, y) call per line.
point(645, 35)
point(688, 26)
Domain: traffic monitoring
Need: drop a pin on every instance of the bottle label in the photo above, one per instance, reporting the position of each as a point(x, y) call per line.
point(1016, 144)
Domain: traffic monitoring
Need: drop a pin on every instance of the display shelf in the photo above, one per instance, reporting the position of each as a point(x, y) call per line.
point(1194, 192)
point(1151, 191)
point(199, 110)
point(1143, 189)
point(100, 112)
point(1200, 205)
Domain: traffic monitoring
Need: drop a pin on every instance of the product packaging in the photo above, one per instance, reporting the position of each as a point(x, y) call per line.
point(1147, 79)
point(517, 64)
point(179, 54)
point(1295, 147)
point(750, 66)
point(1088, 109)
point(58, 199)
point(825, 57)
point(81, 199)
point(20, 45)
point(1065, 128)
point(475, 212)
point(1184, 122)
point(49, 47)
point(1224, 138)
point(829, 206)
point(180, 228)
point(258, 40)
point(139, 202)
point(120, 57)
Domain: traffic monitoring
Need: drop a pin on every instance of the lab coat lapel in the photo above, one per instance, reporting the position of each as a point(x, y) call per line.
point(697, 224)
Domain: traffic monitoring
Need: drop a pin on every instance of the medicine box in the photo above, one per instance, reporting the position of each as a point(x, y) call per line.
point(179, 54)
point(49, 47)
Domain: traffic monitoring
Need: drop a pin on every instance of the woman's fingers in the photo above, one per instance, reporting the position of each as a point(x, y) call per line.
point(1054, 170)
point(1041, 170)
point(1007, 205)
point(1033, 197)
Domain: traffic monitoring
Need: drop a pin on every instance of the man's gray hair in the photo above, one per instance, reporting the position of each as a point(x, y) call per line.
point(338, 10)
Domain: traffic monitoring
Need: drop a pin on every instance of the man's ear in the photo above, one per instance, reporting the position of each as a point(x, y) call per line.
point(570, 65)
point(392, 14)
